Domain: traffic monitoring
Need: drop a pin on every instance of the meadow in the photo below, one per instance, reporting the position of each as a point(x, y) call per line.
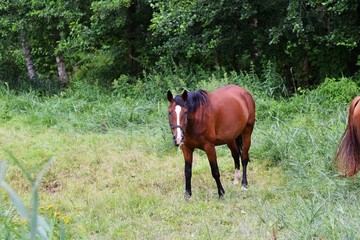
point(117, 175)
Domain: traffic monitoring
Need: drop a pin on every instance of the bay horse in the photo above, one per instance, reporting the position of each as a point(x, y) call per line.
point(348, 151)
point(203, 120)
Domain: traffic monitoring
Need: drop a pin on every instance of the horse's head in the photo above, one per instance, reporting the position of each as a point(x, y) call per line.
point(178, 116)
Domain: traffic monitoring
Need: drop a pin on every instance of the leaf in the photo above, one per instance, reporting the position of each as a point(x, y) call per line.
point(3, 167)
point(16, 200)
point(42, 233)
point(43, 171)
point(18, 163)
point(43, 223)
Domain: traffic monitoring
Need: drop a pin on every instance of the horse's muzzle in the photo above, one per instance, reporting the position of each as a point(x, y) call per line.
point(178, 141)
point(178, 136)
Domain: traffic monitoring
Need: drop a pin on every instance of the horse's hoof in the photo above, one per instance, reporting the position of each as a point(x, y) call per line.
point(221, 193)
point(187, 196)
point(244, 188)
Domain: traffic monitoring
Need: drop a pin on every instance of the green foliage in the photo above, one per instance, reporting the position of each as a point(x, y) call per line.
point(325, 33)
point(95, 68)
point(298, 121)
point(105, 12)
point(300, 134)
point(274, 85)
point(306, 39)
point(75, 30)
point(107, 138)
point(337, 91)
point(81, 108)
point(199, 33)
point(288, 44)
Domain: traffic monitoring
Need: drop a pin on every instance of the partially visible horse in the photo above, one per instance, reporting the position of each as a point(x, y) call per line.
point(348, 152)
point(203, 120)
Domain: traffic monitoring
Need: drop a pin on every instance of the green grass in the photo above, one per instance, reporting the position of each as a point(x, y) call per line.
point(117, 176)
point(115, 185)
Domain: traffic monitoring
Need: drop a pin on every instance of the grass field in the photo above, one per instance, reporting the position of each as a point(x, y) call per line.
point(117, 175)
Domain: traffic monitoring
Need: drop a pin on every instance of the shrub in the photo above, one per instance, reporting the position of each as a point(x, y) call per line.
point(336, 91)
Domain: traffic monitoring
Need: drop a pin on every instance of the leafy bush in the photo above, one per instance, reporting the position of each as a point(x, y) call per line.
point(273, 84)
point(336, 91)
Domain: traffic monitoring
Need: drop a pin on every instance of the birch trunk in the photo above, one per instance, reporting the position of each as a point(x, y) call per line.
point(28, 58)
point(63, 76)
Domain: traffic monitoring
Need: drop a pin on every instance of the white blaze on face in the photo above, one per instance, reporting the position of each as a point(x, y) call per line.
point(178, 130)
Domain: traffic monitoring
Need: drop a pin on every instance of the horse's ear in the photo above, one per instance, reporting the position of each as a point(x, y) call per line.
point(169, 96)
point(184, 95)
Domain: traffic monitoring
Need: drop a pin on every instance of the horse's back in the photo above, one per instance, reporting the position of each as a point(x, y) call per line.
point(233, 96)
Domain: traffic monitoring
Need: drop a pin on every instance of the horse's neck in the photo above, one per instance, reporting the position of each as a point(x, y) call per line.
point(198, 117)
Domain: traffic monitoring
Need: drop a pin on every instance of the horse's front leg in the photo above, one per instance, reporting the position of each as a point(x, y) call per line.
point(188, 157)
point(211, 154)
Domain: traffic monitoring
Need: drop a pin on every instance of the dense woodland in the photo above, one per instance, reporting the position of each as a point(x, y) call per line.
point(53, 43)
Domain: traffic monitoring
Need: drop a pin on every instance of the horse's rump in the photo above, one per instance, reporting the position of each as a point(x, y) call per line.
point(233, 109)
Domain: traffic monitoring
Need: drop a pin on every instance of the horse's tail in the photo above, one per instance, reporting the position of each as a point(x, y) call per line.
point(348, 152)
point(239, 144)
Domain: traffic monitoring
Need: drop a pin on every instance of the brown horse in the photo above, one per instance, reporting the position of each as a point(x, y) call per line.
point(204, 120)
point(348, 152)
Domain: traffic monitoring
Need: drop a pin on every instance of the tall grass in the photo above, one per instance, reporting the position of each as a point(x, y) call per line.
point(301, 135)
point(117, 175)
point(37, 225)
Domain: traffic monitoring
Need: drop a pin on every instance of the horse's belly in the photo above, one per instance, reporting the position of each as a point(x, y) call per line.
point(229, 133)
point(220, 140)
point(229, 128)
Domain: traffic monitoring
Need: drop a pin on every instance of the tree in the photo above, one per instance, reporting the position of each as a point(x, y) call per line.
point(210, 33)
point(320, 38)
point(45, 27)
point(58, 17)
point(306, 40)
point(15, 24)
point(101, 41)
point(27, 55)
point(124, 41)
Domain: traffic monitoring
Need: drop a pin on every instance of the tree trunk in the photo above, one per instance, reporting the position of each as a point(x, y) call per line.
point(60, 64)
point(133, 64)
point(27, 56)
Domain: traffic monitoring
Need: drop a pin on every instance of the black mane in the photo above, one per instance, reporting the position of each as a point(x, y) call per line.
point(194, 100)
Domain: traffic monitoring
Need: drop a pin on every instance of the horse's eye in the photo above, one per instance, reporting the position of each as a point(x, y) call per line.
point(169, 113)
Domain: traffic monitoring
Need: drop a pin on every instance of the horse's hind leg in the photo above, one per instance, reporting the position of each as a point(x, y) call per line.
point(235, 153)
point(246, 142)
